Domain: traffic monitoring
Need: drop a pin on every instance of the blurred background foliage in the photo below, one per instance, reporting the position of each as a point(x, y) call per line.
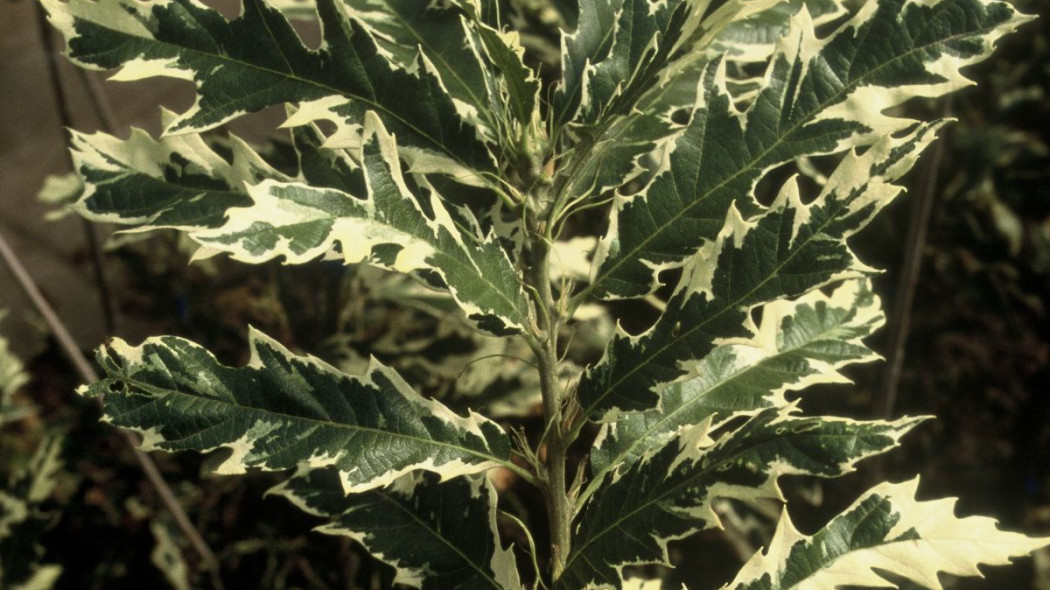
point(75, 508)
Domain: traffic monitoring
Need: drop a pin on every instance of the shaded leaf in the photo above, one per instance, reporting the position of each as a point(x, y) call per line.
point(668, 494)
point(436, 534)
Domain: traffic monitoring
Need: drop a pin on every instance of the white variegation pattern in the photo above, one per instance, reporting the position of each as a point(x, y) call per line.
point(449, 537)
point(282, 410)
point(886, 530)
point(394, 226)
point(789, 249)
point(258, 60)
point(798, 344)
point(669, 493)
point(805, 107)
point(176, 182)
point(652, 114)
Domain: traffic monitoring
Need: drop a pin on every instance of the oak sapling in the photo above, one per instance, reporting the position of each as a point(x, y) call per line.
point(448, 163)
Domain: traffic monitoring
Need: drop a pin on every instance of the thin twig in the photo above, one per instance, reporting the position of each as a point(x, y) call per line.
point(65, 117)
point(88, 374)
point(914, 246)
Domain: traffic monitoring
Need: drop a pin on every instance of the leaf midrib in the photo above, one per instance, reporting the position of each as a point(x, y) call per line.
point(632, 254)
point(437, 534)
point(706, 471)
point(730, 305)
point(155, 392)
point(740, 374)
point(296, 78)
point(473, 270)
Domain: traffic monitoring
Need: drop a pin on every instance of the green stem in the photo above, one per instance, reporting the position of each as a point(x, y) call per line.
point(559, 506)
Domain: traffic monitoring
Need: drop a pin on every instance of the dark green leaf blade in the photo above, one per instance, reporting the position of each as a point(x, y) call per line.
point(436, 534)
point(799, 344)
point(400, 224)
point(257, 60)
point(820, 96)
point(668, 495)
point(282, 410)
point(790, 249)
point(886, 530)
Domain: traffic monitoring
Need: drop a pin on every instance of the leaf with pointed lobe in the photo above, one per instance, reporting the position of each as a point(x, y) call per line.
point(791, 248)
point(887, 530)
point(257, 60)
point(820, 96)
point(799, 343)
point(436, 534)
point(399, 224)
point(669, 493)
point(177, 182)
point(283, 410)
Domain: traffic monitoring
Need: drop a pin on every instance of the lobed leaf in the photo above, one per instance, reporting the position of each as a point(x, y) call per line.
point(617, 80)
point(792, 248)
point(436, 534)
point(401, 225)
point(820, 96)
point(755, 38)
point(258, 60)
point(177, 182)
point(799, 343)
point(668, 494)
point(282, 410)
point(886, 530)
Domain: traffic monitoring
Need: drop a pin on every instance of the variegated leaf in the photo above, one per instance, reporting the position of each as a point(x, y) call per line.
point(176, 182)
point(886, 531)
point(792, 248)
point(283, 410)
point(258, 60)
point(616, 42)
point(615, 69)
point(22, 521)
point(477, 63)
point(622, 47)
point(811, 103)
point(446, 535)
point(399, 224)
point(668, 494)
point(799, 343)
point(755, 38)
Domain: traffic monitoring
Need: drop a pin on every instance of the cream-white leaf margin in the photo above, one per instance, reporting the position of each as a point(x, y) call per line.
point(919, 540)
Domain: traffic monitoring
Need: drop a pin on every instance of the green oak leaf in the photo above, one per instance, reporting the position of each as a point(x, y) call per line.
point(886, 530)
point(669, 493)
point(283, 410)
point(446, 534)
point(258, 60)
point(790, 249)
